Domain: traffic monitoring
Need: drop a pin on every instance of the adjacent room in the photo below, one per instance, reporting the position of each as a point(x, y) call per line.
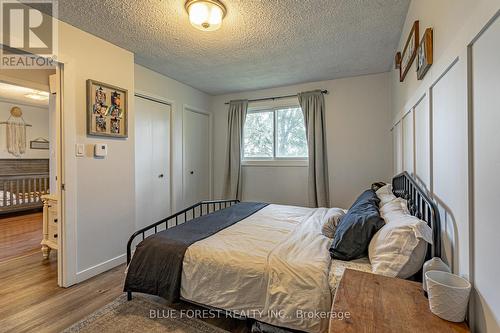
point(287, 166)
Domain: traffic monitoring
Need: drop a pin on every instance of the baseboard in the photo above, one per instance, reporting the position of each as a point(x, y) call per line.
point(100, 268)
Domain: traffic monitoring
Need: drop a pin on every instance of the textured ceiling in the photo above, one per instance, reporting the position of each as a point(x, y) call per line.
point(261, 44)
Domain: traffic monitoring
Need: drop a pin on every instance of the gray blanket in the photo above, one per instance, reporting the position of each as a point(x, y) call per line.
point(156, 267)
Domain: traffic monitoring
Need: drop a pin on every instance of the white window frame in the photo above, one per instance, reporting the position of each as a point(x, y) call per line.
point(275, 160)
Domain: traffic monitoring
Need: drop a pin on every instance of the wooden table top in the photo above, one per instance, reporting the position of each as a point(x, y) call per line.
point(375, 303)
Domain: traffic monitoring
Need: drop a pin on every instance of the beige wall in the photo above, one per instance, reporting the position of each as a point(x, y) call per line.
point(437, 108)
point(359, 142)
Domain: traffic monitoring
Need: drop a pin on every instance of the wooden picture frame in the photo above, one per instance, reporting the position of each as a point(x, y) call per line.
point(397, 60)
point(40, 143)
point(409, 51)
point(107, 110)
point(425, 54)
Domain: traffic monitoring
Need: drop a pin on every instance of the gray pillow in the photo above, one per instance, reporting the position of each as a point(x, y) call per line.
point(331, 220)
point(357, 228)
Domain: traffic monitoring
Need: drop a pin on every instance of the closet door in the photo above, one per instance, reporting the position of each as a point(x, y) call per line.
point(152, 161)
point(196, 157)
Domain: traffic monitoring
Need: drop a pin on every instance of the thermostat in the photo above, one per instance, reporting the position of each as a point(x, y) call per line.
point(100, 150)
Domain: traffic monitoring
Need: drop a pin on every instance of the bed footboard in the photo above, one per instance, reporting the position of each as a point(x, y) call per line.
point(199, 209)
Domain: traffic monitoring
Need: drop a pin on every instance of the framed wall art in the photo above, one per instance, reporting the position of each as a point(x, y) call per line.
point(40, 143)
point(424, 54)
point(409, 52)
point(107, 110)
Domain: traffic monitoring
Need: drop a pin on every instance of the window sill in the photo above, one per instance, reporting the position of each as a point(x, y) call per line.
point(275, 163)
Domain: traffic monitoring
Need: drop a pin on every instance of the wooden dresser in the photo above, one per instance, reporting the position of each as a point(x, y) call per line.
point(375, 303)
point(50, 225)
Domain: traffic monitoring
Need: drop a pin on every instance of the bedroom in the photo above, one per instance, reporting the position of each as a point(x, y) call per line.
point(178, 78)
point(27, 160)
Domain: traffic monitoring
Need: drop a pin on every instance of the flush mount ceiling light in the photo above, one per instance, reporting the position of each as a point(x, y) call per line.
point(38, 95)
point(205, 15)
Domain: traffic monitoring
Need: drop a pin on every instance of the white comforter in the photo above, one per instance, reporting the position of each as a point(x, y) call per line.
point(272, 266)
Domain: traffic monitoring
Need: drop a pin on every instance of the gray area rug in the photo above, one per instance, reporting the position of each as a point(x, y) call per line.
point(140, 315)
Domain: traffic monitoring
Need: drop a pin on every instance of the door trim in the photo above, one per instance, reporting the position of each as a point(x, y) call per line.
point(164, 101)
point(185, 108)
point(153, 98)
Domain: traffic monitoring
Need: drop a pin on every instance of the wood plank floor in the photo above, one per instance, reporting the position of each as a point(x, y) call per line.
point(30, 300)
point(20, 234)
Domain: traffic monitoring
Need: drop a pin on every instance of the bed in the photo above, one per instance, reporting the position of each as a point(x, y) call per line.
point(266, 266)
point(22, 183)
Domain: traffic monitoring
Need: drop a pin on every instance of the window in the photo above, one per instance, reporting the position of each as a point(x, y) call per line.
point(275, 134)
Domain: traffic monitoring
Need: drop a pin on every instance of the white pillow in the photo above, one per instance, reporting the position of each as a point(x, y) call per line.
point(331, 221)
point(397, 205)
point(385, 194)
point(398, 248)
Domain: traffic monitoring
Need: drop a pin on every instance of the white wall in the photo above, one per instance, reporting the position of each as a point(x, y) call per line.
point(178, 94)
point(408, 142)
point(99, 197)
point(485, 69)
point(359, 142)
point(397, 146)
point(440, 106)
point(36, 116)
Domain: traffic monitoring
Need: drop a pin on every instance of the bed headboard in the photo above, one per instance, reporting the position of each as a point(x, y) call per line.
point(421, 206)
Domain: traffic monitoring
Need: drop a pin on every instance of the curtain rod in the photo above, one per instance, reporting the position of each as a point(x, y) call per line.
point(276, 97)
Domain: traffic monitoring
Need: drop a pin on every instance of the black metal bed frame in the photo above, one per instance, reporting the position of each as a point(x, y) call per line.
point(421, 206)
point(404, 186)
point(179, 217)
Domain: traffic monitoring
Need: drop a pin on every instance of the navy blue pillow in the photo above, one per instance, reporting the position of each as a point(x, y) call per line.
point(357, 228)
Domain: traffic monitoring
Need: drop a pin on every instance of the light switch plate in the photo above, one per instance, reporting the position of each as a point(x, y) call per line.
point(80, 150)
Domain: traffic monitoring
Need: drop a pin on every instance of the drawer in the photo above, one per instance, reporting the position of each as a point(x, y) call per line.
point(52, 234)
point(52, 219)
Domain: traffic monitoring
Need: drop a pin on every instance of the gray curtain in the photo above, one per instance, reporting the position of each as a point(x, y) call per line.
point(232, 174)
point(313, 107)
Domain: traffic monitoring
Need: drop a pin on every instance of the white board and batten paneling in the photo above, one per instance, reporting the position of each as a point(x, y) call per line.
point(152, 161)
point(450, 162)
point(422, 142)
point(408, 142)
point(435, 153)
point(459, 100)
point(485, 69)
point(397, 138)
point(197, 155)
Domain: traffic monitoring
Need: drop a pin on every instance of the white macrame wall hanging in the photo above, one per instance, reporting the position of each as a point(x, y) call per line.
point(16, 132)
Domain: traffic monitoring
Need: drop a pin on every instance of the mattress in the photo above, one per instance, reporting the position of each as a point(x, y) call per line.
point(337, 268)
point(273, 266)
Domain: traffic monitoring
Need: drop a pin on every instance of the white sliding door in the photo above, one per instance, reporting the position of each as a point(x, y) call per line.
point(152, 149)
point(196, 156)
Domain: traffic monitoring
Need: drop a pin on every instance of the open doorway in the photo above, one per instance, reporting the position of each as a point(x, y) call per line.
point(29, 158)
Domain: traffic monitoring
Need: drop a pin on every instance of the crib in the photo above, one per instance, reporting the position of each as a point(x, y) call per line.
point(22, 183)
